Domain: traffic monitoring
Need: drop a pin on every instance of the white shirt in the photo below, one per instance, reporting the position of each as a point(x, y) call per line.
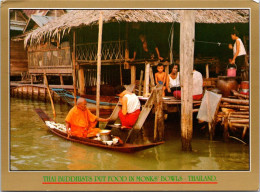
point(242, 50)
point(133, 103)
point(197, 83)
point(174, 82)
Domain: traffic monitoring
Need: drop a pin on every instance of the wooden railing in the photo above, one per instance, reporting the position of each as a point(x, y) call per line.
point(111, 51)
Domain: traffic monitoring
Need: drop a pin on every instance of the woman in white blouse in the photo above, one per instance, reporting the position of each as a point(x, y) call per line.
point(173, 81)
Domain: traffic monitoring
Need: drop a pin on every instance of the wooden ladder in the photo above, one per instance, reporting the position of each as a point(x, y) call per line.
point(130, 135)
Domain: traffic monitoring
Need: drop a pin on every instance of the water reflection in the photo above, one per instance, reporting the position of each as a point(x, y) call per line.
point(33, 147)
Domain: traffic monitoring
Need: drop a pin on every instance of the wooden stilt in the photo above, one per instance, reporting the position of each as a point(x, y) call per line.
point(31, 79)
point(49, 92)
point(32, 93)
point(146, 79)
point(38, 93)
point(187, 33)
point(133, 74)
point(22, 92)
point(140, 82)
point(61, 79)
point(225, 133)
point(151, 77)
point(74, 67)
point(207, 70)
point(27, 91)
point(99, 64)
point(45, 95)
point(81, 81)
point(159, 117)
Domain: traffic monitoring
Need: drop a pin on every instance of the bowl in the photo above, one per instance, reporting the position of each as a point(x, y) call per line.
point(109, 142)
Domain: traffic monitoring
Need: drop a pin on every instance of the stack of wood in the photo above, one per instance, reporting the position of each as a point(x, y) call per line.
point(234, 114)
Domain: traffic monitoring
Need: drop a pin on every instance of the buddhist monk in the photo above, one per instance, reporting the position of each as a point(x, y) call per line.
point(81, 122)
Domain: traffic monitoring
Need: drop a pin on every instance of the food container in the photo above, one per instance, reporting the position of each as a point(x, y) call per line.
point(105, 135)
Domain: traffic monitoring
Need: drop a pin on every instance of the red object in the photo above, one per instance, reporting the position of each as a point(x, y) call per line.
point(129, 119)
point(244, 93)
point(244, 85)
point(232, 71)
point(177, 95)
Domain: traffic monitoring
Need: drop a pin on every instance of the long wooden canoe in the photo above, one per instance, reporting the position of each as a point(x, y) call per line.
point(126, 147)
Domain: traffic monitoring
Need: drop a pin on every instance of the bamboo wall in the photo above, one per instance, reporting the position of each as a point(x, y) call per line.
point(50, 59)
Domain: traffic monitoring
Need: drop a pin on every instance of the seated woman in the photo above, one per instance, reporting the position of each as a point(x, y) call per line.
point(130, 111)
point(197, 87)
point(173, 81)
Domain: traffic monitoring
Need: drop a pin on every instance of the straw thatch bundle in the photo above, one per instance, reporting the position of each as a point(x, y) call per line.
point(78, 18)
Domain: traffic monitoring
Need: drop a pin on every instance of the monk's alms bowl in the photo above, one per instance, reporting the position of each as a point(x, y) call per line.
point(105, 135)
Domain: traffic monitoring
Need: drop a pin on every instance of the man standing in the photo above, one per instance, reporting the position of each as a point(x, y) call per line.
point(80, 122)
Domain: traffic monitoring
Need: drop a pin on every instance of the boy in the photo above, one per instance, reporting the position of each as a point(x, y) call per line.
point(160, 76)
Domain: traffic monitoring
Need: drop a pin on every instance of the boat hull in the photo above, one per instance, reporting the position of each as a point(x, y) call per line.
point(126, 147)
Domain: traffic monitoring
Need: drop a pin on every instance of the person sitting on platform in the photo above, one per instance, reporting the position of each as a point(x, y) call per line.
point(160, 76)
point(130, 111)
point(173, 80)
point(81, 122)
point(197, 87)
point(146, 49)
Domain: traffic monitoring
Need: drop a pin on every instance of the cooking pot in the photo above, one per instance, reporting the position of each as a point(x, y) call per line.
point(225, 84)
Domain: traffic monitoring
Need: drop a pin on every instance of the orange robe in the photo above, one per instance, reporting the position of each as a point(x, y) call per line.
point(82, 123)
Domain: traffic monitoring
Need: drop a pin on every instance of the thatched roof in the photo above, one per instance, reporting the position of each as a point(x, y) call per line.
point(78, 18)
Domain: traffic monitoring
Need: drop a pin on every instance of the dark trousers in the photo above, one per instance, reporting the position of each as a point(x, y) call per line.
point(240, 62)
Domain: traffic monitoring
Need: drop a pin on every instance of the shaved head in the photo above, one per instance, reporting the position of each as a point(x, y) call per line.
point(81, 100)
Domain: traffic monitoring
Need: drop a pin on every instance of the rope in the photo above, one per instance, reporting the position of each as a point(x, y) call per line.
point(209, 42)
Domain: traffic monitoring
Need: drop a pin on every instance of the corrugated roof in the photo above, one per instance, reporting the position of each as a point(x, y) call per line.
point(41, 20)
point(30, 12)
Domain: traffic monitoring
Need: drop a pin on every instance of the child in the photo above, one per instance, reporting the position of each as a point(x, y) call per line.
point(160, 76)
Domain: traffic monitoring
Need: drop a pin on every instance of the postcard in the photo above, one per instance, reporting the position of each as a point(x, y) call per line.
point(130, 95)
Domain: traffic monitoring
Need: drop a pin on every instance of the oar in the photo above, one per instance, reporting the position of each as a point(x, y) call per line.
point(48, 89)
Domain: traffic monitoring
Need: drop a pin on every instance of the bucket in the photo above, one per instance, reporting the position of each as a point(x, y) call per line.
point(232, 71)
point(244, 85)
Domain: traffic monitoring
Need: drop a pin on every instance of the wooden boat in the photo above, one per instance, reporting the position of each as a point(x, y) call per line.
point(126, 147)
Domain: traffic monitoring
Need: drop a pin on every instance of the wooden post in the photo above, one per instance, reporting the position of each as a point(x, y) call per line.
point(32, 93)
point(74, 67)
point(225, 133)
point(126, 43)
point(159, 116)
point(151, 77)
point(187, 32)
point(31, 79)
point(99, 64)
point(133, 74)
point(146, 79)
point(140, 82)
point(45, 94)
point(61, 79)
point(207, 70)
point(27, 91)
point(171, 50)
point(81, 81)
point(39, 93)
point(48, 89)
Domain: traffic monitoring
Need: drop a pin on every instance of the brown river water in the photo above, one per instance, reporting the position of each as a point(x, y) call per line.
point(33, 147)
